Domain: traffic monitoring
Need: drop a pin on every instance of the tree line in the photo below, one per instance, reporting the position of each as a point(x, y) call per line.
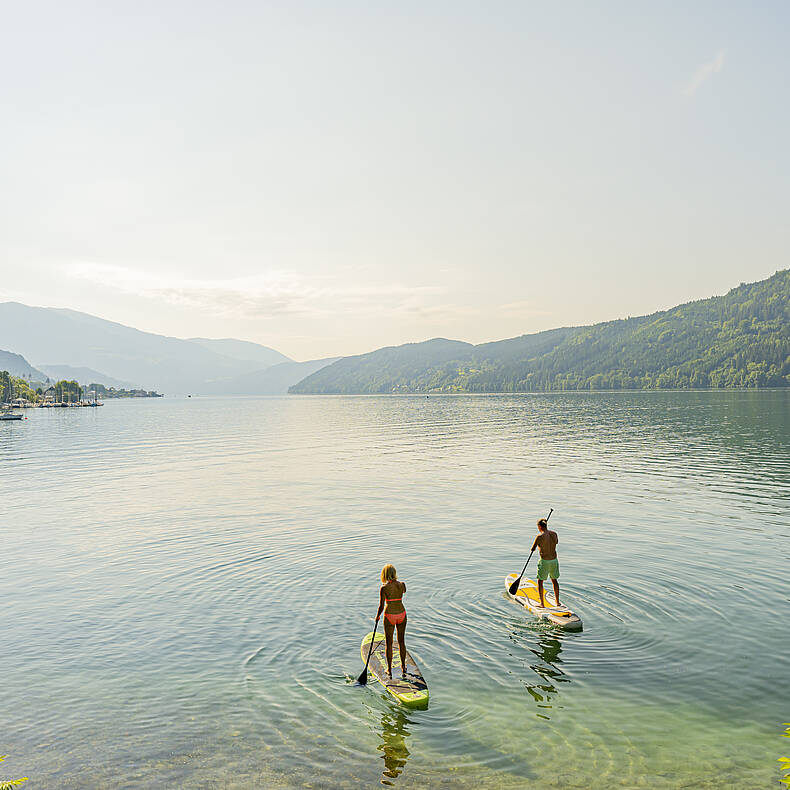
point(64, 391)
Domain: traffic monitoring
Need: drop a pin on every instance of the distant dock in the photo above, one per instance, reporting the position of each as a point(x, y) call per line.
point(19, 403)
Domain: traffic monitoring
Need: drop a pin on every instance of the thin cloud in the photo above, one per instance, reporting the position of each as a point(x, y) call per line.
point(269, 295)
point(450, 312)
point(525, 309)
point(704, 73)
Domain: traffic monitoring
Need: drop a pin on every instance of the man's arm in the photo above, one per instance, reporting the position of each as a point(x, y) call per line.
point(535, 544)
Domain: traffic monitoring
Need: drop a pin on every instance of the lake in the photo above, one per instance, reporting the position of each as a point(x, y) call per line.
point(186, 582)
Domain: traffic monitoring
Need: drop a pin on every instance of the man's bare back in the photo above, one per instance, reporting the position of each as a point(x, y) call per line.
point(548, 565)
point(546, 544)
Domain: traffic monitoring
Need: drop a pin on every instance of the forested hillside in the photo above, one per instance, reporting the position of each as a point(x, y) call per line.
point(392, 369)
point(741, 339)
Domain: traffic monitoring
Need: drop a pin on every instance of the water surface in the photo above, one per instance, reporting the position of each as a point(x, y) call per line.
point(186, 584)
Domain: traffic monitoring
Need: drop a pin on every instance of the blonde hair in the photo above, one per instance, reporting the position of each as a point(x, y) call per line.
point(388, 574)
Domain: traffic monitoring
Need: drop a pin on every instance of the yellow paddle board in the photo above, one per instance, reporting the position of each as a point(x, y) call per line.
point(411, 690)
point(527, 595)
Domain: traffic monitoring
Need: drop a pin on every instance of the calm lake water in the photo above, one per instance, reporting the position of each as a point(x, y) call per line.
point(185, 585)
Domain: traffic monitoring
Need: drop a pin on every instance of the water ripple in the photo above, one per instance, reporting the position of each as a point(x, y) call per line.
point(197, 577)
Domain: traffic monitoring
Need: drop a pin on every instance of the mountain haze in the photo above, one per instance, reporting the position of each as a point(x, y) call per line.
point(83, 376)
point(17, 365)
point(255, 354)
point(148, 360)
point(270, 381)
point(741, 339)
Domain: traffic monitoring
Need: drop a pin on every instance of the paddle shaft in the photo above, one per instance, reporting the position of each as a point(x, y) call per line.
point(514, 586)
point(363, 678)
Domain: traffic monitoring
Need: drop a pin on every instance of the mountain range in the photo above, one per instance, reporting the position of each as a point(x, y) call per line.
point(69, 344)
point(741, 339)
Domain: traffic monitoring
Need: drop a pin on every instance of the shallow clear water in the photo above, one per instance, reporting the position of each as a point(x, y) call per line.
point(185, 584)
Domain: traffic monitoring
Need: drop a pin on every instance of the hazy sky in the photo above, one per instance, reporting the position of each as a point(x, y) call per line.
point(330, 177)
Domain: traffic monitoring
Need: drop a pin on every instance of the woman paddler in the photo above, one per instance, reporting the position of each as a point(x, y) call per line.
point(391, 603)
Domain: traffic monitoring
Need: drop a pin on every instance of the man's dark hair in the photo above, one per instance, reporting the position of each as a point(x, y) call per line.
point(542, 523)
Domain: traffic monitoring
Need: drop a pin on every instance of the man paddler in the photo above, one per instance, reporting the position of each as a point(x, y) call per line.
point(548, 564)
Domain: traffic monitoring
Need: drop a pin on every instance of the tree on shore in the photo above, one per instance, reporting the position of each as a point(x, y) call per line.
point(13, 387)
point(68, 391)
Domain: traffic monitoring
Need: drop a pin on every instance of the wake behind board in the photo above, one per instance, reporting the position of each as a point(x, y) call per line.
point(411, 691)
point(527, 596)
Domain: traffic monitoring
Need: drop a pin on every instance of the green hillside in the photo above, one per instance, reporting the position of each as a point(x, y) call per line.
point(741, 339)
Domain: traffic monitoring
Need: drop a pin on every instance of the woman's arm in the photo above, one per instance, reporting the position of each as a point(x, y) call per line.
point(381, 602)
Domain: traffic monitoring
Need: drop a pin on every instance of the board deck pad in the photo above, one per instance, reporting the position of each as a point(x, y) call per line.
point(412, 690)
point(527, 595)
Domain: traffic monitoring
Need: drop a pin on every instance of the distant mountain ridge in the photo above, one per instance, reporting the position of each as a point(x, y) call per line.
point(83, 376)
point(243, 351)
point(741, 339)
point(18, 366)
point(270, 381)
point(144, 359)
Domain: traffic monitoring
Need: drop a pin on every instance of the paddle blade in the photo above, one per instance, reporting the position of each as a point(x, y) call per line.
point(513, 589)
point(363, 678)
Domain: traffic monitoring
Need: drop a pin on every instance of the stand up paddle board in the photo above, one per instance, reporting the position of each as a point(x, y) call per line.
point(527, 596)
point(412, 690)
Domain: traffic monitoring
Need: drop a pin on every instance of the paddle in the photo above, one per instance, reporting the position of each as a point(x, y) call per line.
point(514, 587)
point(363, 678)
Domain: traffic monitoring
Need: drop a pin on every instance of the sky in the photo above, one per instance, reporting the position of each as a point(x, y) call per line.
point(327, 178)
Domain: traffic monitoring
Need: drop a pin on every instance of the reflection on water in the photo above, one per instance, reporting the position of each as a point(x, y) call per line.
point(395, 753)
point(544, 693)
point(545, 643)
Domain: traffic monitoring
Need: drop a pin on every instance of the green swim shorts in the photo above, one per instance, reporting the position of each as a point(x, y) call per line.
point(548, 568)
